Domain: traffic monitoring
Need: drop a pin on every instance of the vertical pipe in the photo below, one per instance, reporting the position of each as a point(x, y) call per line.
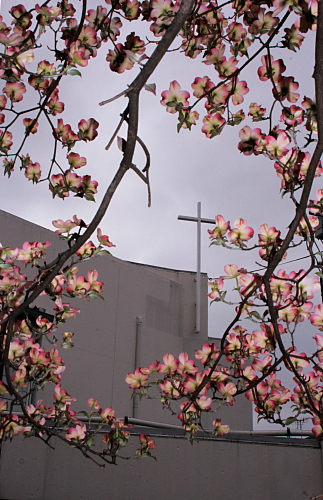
point(33, 399)
point(138, 333)
point(198, 271)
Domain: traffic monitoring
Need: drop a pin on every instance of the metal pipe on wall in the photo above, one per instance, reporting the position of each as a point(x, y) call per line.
point(159, 425)
point(137, 344)
point(198, 272)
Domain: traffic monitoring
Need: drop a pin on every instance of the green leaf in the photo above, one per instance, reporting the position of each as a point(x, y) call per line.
point(67, 345)
point(90, 441)
point(218, 241)
point(216, 131)
point(5, 265)
point(84, 413)
point(255, 314)
point(74, 72)
point(94, 295)
point(290, 420)
point(101, 252)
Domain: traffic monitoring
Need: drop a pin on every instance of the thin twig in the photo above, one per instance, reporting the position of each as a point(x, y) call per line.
point(107, 101)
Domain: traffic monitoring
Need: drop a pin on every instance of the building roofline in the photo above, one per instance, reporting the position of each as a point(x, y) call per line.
point(152, 266)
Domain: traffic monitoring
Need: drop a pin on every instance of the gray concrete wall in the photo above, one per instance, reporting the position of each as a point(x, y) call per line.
point(105, 330)
point(216, 470)
point(105, 333)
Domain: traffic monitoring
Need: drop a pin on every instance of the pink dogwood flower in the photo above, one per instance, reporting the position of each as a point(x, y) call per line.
point(240, 232)
point(174, 98)
point(78, 286)
point(213, 125)
point(298, 360)
point(64, 226)
point(104, 240)
point(95, 285)
point(216, 56)
point(5, 141)
point(119, 60)
point(216, 287)
point(271, 69)
point(219, 428)
point(249, 140)
point(317, 318)
point(207, 353)
point(137, 379)
point(75, 160)
point(221, 228)
point(170, 364)
point(185, 365)
point(107, 414)
point(33, 172)
point(14, 91)
point(27, 123)
point(61, 397)
point(237, 89)
point(227, 67)
point(88, 129)
point(86, 251)
point(232, 271)
point(201, 86)
point(285, 89)
point(256, 112)
point(227, 391)
point(65, 133)
point(292, 116)
point(318, 427)
point(267, 234)
point(77, 433)
point(277, 146)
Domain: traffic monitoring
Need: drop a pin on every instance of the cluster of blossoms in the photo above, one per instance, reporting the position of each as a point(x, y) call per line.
point(291, 293)
point(247, 362)
point(180, 378)
point(72, 428)
point(75, 44)
point(291, 163)
point(211, 35)
point(31, 366)
point(62, 184)
point(269, 238)
point(222, 40)
point(244, 365)
point(114, 440)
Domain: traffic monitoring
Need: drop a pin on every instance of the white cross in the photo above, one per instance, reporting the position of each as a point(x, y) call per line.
point(199, 220)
